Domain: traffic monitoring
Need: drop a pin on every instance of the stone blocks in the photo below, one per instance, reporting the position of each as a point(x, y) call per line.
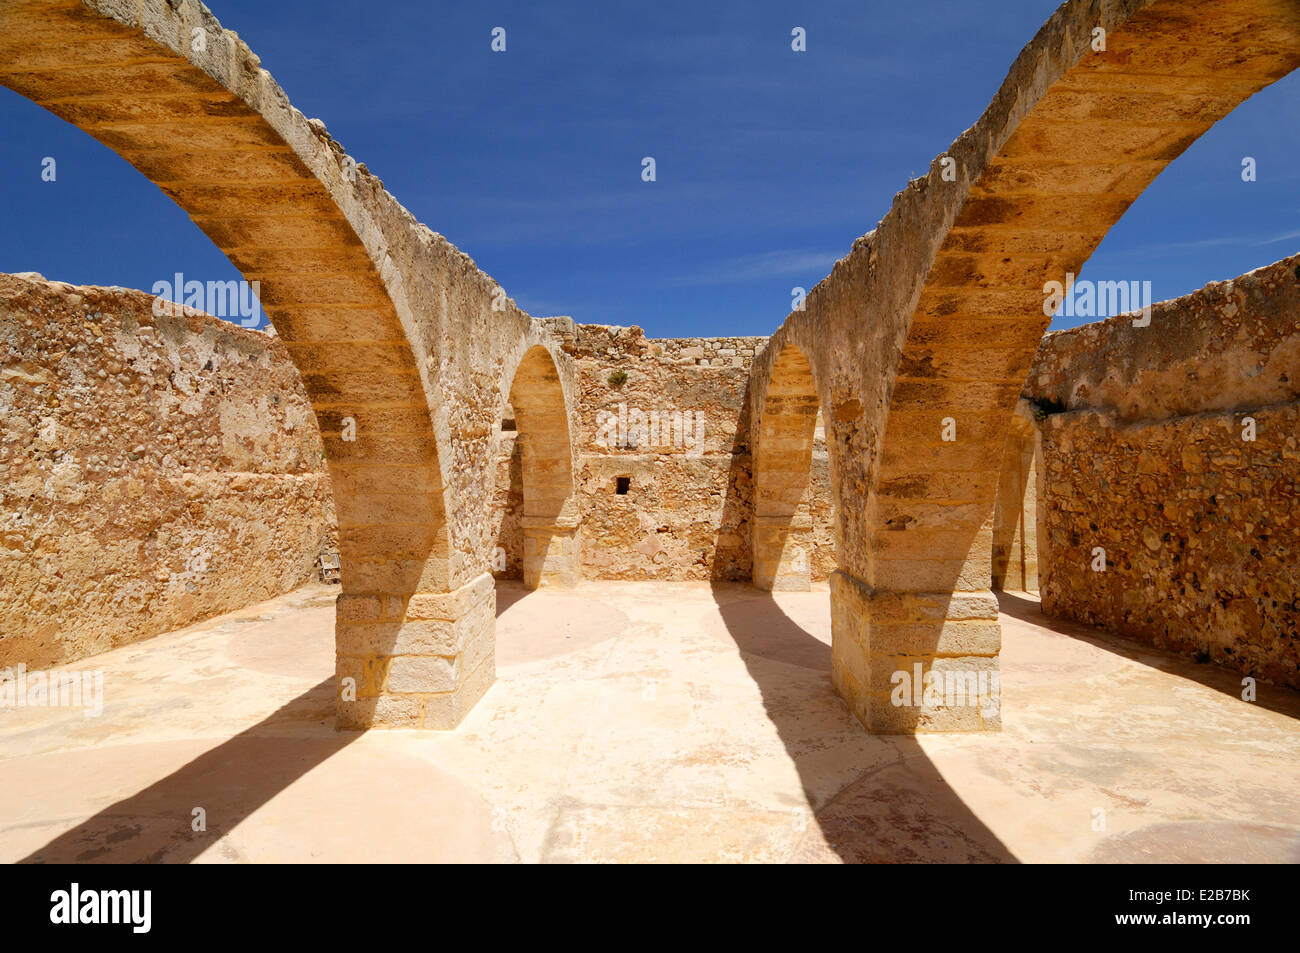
point(551, 554)
point(419, 662)
point(907, 662)
point(782, 553)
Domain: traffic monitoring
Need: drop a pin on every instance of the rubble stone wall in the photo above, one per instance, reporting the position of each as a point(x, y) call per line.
point(158, 470)
point(1175, 448)
point(672, 429)
point(154, 471)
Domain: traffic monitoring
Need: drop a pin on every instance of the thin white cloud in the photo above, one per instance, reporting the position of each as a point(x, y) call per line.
point(1240, 241)
point(1285, 237)
point(810, 262)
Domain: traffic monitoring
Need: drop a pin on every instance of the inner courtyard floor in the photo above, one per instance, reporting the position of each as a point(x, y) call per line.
point(635, 722)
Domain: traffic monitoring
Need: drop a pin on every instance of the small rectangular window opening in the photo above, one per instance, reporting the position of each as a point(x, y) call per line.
point(622, 485)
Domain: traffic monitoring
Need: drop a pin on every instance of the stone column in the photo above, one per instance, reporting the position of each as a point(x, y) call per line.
point(1015, 515)
point(783, 552)
point(913, 660)
point(551, 552)
point(416, 663)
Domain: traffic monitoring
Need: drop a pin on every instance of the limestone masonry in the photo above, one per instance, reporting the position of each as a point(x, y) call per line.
point(154, 470)
point(672, 430)
point(158, 451)
point(1175, 448)
point(863, 442)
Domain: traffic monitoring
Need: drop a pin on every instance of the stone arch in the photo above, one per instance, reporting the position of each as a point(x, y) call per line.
point(543, 428)
point(1015, 514)
point(785, 429)
point(932, 320)
point(188, 104)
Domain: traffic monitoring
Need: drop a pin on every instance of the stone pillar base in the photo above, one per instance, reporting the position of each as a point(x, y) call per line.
point(551, 553)
point(783, 553)
point(910, 662)
point(419, 665)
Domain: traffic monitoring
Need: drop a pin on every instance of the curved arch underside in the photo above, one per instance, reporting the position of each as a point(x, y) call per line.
point(926, 330)
point(1038, 208)
point(188, 104)
point(549, 521)
point(787, 425)
point(249, 191)
point(931, 319)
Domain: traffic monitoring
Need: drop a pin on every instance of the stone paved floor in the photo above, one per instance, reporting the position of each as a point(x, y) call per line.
point(648, 722)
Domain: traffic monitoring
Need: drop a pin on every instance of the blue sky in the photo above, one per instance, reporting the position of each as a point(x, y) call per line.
point(769, 162)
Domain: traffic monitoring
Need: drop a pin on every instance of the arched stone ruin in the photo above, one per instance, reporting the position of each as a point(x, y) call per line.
point(914, 349)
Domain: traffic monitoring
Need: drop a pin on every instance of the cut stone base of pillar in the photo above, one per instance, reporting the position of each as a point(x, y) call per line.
point(422, 665)
point(909, 662)
point(551, 553)
point(782, 553)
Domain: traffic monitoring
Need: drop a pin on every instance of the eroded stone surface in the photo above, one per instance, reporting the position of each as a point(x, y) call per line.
point(928, 325)
point(407, 351)
point(676, 431)
point(932, 320)
point(684, 722)
point(154, 470)
point(1172, 451)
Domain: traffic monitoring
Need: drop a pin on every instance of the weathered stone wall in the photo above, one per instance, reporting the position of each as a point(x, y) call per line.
point(391, 327)
point(674, 521)
point(936, 314)
point(1146, 455)
point(208, 449)
point(159, 470)
point(932, 316)
point(673, 430)
point(154, 470)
